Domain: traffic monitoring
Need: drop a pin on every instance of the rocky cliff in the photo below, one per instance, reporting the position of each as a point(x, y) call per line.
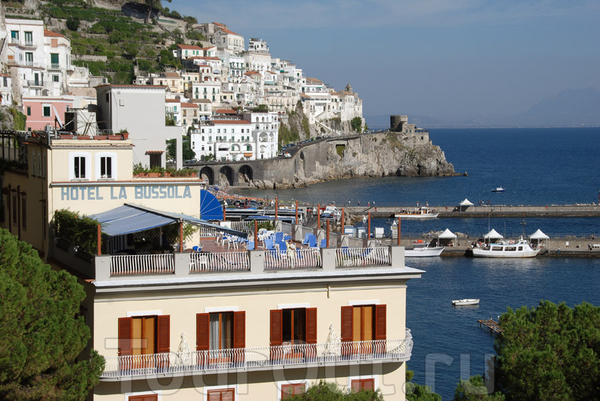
point(368, 155)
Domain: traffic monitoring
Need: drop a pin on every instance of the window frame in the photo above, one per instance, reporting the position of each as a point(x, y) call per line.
point(72, 158)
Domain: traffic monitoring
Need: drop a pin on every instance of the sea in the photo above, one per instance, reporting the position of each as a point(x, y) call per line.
point(544, 166)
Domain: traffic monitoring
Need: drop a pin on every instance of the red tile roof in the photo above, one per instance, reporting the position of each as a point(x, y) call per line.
point(49, 34)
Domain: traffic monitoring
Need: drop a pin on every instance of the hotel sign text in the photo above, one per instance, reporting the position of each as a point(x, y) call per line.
point(91, 193)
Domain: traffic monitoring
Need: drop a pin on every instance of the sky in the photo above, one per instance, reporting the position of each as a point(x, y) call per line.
point(443, 59)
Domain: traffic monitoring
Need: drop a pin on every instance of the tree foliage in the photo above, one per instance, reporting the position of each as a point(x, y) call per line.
point(326, 391)
point(550, 353)
point(74, 229)
point(41, 331)
point(356, 124)
point(417, 392)
point(474, 389)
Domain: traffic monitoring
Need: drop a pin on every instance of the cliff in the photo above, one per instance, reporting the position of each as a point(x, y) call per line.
point(368, 155)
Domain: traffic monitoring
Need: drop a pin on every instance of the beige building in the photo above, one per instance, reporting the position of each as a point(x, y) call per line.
point(224, 324)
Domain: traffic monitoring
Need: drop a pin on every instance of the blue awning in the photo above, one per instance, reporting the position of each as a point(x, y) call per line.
point(131, 218)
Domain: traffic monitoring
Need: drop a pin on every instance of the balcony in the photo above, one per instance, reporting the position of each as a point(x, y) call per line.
point(257, 359)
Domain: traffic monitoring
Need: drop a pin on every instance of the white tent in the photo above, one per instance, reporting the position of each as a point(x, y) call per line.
point(462, 206)
point(493, 235)
point(538, 235)
point(537, 238)
point(447, 234)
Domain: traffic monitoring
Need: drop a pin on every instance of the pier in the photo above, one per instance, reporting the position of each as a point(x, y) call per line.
point(490, 324)
point(589, 210)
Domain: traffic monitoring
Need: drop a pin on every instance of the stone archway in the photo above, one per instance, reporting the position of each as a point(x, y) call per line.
point(245, 175)
point(226, 176)
point(208, 175)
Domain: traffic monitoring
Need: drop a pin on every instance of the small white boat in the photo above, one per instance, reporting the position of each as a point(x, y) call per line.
point(506, 249)
point(419, 213)
point(498, 189)
point(465, 302)
point(423, 250)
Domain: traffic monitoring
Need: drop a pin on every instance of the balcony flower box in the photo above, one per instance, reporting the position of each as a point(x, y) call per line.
point(101, 137)
point(83, 137)
point(63, 136)
point(115, 137)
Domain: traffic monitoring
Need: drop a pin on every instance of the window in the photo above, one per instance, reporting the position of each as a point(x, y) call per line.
point(29, 59)
point(146, 397)
point(293, 326)
point(46, 111)
point(226, 394)
point(54, 60)
point(220, 330)
point(14, 35)
point(142, 335)
point(363, 323)
point(55, 78)
point(362, 385)
point(79, 167)
point(289, 390)
point(28, 38)
point(106, 167)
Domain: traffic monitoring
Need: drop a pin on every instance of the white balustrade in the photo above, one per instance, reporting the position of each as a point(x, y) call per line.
point(356, 257)
point(219, 261)
point(293, 259)
point(123, 265)
point(258, 358)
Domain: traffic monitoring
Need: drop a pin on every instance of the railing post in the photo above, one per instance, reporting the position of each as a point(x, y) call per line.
point(328, 258)
point(102, 267)
point(396, 256)
point(182, 264)
point(257, 261)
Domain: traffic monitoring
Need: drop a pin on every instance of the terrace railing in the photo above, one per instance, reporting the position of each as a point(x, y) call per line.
point(356, 257)
point(219, 261)
point(295, 259)
point(124, 265)
point(258, 358)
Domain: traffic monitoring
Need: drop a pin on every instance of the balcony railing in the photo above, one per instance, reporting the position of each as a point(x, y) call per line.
point(219, 262)
point(294, 259)
point(125, 265)
point(259, 358)
point(355, 257)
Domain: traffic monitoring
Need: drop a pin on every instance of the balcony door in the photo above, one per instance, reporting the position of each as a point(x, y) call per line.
point(364, 326)
point(143, 335)
point(290, 330)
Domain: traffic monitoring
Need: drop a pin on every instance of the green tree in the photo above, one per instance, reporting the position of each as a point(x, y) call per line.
point(356, 123)
point(42, 334)
point(417, 392)
point(325, 391)
point(153, 4)
point(549, 353)
point(474, 389)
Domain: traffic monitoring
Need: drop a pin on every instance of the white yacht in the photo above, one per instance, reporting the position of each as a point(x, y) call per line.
point(418, 213)
point(506, 249)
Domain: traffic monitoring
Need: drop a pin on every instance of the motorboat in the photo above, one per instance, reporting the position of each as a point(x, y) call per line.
point(505, 249)
point(418, 213)
point(498, 189)
point(465, 302)
point(423, 249)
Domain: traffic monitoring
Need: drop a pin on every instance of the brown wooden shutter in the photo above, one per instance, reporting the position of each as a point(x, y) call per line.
point(239, 329)
point(202, 331)
point(311, 325)
point(125, 335)
point(276, 329)
point(163, 341)
point(347, 323)
point(380, 322)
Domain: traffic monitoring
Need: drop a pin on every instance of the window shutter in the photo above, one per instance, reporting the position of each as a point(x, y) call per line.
point(276, 329)
point(347, 323)
point(239, 329)
point(125, 335)
point(202, 332)
point(311, 325)
point(163, 342)
point(380, 322)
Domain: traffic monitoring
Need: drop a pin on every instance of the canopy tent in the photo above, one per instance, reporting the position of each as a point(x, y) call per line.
point(210, 207)
point(538, 235)
point(447, 234)
point(493, 235)
point(462, 206)
point(131, 218)
point(538, 238)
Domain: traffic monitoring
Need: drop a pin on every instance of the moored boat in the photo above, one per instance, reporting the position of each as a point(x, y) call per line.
point(505, 249)
point(420, 213)
point(423, 250)
point(498, 189)
point(465, 302)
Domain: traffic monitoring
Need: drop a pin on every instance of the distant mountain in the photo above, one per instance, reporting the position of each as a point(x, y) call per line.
point(571, 107)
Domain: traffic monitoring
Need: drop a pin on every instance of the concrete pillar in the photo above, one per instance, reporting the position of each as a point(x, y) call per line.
point(397, 256)
point(328, 258)
point(102, 267)
point(257, 261)
point(182, 264)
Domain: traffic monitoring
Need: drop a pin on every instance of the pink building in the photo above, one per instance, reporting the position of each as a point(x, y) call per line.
point(41, 111)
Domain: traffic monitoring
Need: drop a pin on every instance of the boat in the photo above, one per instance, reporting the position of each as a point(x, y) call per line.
point(465, 302)
point(506, 249)
point(423, 249)
point(498, 189)
point(418, 213)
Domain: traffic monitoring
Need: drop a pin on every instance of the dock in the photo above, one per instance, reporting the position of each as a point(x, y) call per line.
point(490, 324)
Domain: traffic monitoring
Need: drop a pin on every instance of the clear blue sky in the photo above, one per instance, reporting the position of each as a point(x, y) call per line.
point(442, 59)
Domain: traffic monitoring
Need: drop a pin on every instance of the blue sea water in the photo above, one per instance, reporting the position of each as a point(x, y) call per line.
point(537, 167)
